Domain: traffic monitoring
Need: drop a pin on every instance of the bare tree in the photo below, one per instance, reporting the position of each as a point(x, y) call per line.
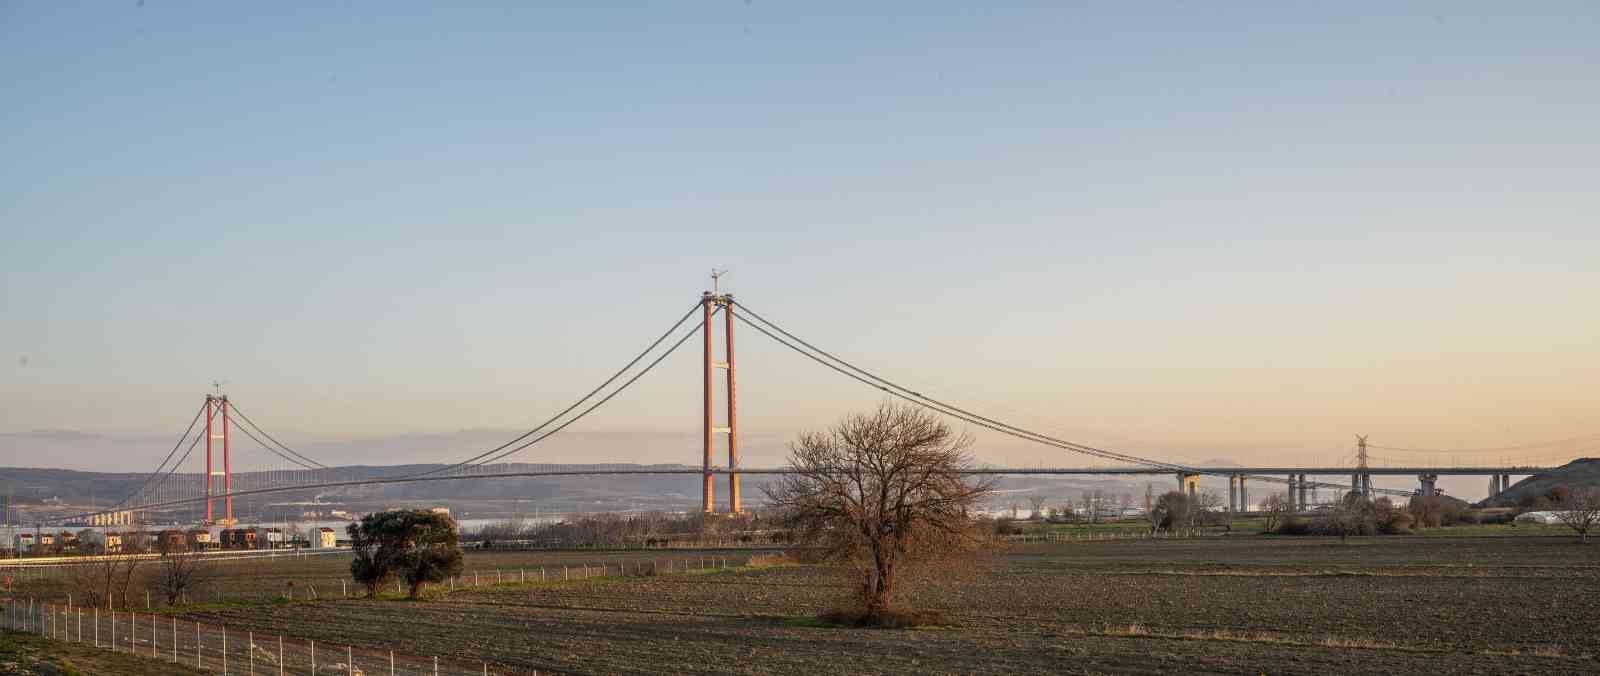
point(1207, 506)
point(180, 572)
point(1346, 516)
point(1174, 512)
point(1579, 509)
point(1035, 507)
point(104, 581)
point(1274, 510)
point(881, 493)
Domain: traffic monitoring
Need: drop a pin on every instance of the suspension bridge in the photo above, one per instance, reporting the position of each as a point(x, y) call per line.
point(287, 470)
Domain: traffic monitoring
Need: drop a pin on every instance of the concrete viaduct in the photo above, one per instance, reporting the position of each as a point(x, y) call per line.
point(1297, 477)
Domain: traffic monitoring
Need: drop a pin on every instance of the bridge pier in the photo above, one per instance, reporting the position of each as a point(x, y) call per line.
point(1302, 491)
point(1505, 482)
point(1233, 493)
point(1244, 495)
point(1293, 506)
point(1188, 483)
point(1429, 484)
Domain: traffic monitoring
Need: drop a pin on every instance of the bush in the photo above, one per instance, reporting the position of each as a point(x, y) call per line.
point(1006, 525)
point(1295, 525)
point(416, 545)
point(1354, 516)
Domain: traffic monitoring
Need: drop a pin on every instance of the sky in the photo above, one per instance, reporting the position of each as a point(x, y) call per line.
point(1186, 232)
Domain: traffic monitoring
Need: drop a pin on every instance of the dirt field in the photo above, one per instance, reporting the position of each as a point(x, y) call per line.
point(264, 579)
point(1229, 605)
point(26, 654)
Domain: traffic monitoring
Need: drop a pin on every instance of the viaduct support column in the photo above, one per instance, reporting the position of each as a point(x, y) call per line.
point(1302, 491)
point(1292, 506)
point(1244, 495)
point(1233, 493)
point(705, 332)
point(1428, 482)
point(1505, 482)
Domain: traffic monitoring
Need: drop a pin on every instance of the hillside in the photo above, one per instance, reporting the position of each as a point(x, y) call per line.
point(1580, 472)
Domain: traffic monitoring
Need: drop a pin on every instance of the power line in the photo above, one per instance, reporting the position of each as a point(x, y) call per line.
point(1587, 438)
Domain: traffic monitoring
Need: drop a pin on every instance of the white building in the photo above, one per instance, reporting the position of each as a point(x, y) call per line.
point(122, 518)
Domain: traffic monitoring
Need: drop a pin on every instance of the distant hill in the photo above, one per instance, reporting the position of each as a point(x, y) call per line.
point(1580, 472)
point(34, 490)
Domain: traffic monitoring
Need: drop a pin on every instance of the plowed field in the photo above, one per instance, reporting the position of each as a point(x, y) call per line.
point(1221, 605)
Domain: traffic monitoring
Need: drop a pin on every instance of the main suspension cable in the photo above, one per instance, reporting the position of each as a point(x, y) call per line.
point(172, 470)
point(630, 381)
point(163, 464)
point(886, 385)
point(234, 408)
point(274, 451)
point(653, 345)
point(915, 397)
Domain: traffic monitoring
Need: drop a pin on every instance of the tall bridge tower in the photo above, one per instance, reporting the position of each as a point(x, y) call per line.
point(711, 302)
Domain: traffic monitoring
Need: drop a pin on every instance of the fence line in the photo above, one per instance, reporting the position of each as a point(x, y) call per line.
point(217, 647)
point(1129, 534)
point(214, 647)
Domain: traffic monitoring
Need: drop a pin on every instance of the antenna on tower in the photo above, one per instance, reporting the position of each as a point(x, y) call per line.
point(216, 386)
point(716, 279)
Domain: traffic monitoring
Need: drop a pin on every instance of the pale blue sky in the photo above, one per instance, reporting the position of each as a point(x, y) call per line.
point(1169, 228)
